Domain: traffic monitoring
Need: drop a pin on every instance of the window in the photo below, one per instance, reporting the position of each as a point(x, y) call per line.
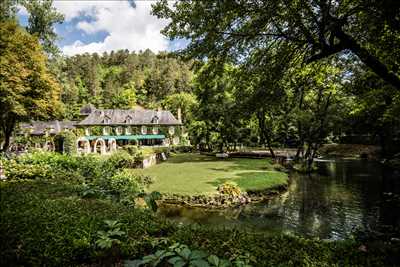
point(171, 130)
point(119, 130)
point(87, 131)
point(155, 119)
point(106, 120)
point(155, 130)
point(144, 130)
point(129, 120)
point(106, 130)
point(128, 130)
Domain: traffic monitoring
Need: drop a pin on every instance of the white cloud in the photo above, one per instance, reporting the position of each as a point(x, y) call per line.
point(128, 28)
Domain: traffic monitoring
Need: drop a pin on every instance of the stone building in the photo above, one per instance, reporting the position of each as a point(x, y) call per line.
point(103, 130)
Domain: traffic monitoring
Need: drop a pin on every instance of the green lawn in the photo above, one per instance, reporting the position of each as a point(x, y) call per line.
point(191, 174)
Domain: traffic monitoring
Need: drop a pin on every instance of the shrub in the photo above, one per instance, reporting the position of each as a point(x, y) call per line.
point(159, 150)
point(182, 149)
point(15, 170)
point(66, 142)
point(131, 149)
point(229, 188)
point(121, 159)
point(279, 167)
point(124, 183)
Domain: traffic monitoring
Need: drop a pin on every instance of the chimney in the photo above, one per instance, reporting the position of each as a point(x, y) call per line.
point(179, 115)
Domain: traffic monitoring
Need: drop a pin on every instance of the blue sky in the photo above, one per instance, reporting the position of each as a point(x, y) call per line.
point(99, 26)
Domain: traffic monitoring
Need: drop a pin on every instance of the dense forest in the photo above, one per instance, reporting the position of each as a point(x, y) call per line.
point(121, 79)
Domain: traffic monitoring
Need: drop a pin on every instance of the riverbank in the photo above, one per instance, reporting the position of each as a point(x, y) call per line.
point(49, 223)
point(194, 179)
point(352, 151)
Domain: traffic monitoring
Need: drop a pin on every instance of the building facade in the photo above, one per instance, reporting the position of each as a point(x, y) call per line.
point(103, 130)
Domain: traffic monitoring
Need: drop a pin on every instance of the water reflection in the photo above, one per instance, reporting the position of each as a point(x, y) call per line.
point(344, 195)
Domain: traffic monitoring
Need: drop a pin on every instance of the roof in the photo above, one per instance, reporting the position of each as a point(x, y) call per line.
point(40, 127)
point(87, 109)
point(125, 137)
point(129, 117)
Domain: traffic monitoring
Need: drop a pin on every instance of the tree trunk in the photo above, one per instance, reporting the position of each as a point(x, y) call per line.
point(268, 138)
point(8, 128)
point(265, 137)
point(368, 59)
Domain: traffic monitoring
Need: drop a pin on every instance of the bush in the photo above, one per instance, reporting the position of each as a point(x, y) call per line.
point(124, 184)
point(14, 170)
point(182, 149)
point(121, 159)
point(279, 167)
point(229, 188)
point(159, 150)
point(50, 165)
point(66, 142)
point(62, 167)
point(131, 149)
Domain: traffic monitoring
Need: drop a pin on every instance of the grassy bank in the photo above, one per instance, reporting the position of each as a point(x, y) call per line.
point(191, 174)
point(49, 223)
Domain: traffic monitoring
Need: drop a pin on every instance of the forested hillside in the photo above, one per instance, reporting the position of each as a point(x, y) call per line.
point(121, 79)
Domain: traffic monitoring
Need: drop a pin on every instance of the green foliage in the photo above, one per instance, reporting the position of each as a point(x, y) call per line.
point(121, 159)
point(131, 149)
point(97, 176)
point(42, 17)
point(27, 88)
point(15, 170)
point(179, 255)
point(67, 142)
point(246, 32)
point(47, 223)
point(151, 199)
point(121, 79)
point(111, 235)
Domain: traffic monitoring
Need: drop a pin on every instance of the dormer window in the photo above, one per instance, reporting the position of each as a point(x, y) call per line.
point(129, 120)
point(106, 120)
point(155, 120)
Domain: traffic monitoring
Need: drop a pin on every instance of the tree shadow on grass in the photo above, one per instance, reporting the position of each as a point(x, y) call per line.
point(251, 180)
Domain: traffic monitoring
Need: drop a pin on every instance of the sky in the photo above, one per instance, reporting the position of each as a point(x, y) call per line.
point(103, 26)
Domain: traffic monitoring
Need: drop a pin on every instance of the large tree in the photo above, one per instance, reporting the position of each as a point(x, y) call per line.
point(42, 17)
point(27, 89)
point(314, 29)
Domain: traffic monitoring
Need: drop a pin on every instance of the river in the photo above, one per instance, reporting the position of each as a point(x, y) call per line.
point(344, 195)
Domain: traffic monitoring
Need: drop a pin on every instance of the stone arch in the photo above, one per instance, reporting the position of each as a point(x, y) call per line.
point(102, 148)
point(86, 145)
point(112, 145)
